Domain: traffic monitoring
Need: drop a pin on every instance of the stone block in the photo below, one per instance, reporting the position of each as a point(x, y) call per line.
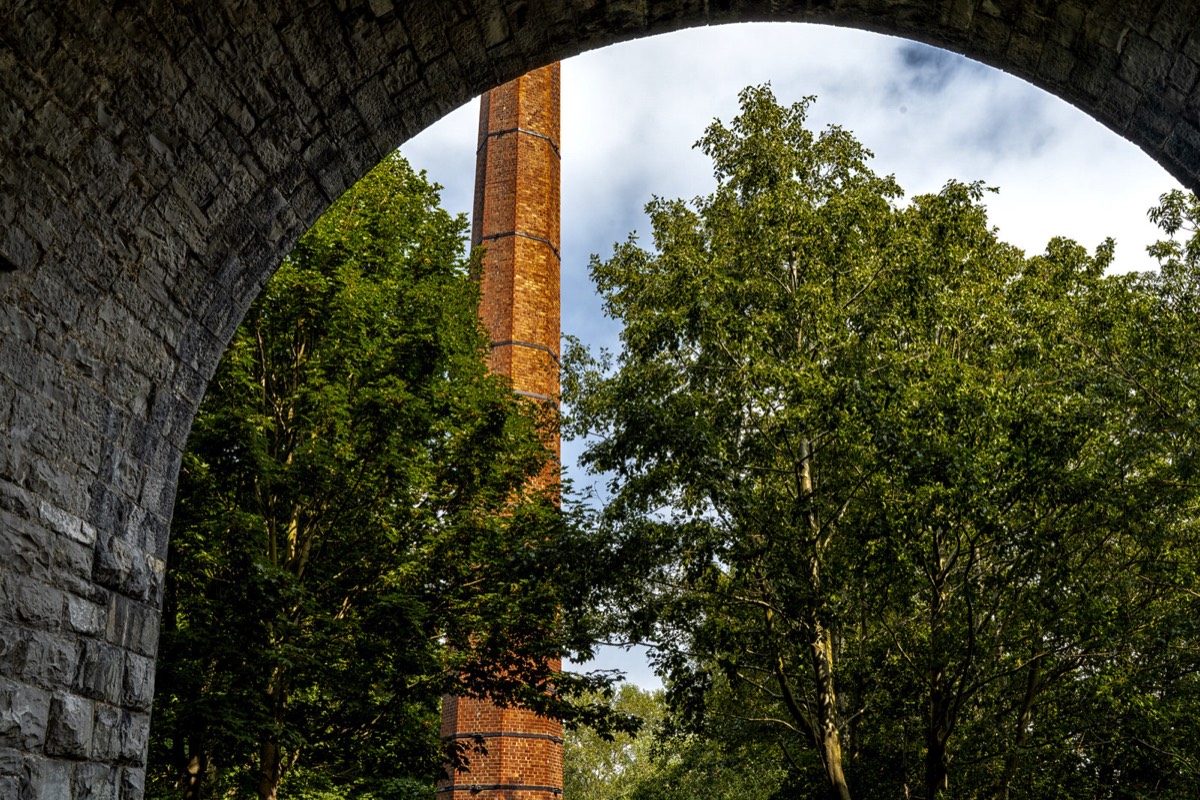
point(1152, 122)
point(124, 567)
point(69, 733)
point(14, 648)
point(120, 736)
point(132, 625)
point(106, 733)
point(1143, 61)
point(135, 732)
point(97, 782)
point(100, 670)
point(1174, 20)
point(107, 510)
point(133, 783)
point(25, 550)
point(19, 248)
point(1118, 102)
point(47, 779)
point(1024, 53)
point(24, 715)
point(50, 659)
point(1184, 73)
point(84, 616)
point(138, 692)
point(11, 762)
point(66, 523)
point(72, 563)
point(1055, 65)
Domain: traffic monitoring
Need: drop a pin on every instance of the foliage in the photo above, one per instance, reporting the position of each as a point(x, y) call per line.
point(664, 763)
point(920, 504)
point(356, 532)
point(599, 767)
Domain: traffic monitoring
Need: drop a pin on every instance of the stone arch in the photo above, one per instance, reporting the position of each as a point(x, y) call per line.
point(157, 159)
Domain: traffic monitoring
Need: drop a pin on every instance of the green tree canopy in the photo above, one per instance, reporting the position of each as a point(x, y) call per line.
point(893, 489)
point(663, 762)
point(355, 533)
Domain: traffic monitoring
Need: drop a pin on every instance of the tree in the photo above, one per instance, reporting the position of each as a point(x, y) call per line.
point(874, 470)
point(355, 532)
point(664, 763)
point(598, 767)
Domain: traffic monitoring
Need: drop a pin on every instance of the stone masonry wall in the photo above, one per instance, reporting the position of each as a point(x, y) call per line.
point(158, 159)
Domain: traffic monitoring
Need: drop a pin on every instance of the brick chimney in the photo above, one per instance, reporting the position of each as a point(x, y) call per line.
point(516, 218)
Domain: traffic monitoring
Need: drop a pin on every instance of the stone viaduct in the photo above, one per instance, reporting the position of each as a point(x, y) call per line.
point(157, 160)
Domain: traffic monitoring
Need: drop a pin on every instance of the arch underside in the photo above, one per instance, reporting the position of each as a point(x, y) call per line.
point(159, 158)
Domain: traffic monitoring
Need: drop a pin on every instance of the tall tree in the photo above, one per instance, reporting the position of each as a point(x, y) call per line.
point(663, 762)
point(599, 767)
point(355, 532)
point(872, 466)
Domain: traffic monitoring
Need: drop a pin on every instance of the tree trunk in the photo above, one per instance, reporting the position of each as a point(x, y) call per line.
point(193, 775)
point(1024, 723)
point(840, 790)
point(937, 779)
point(269, 760)
point(937, 725)
point(826, 728)
point(270, 754)
point(830, 741)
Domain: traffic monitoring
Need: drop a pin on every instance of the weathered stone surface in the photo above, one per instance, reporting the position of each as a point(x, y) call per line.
point(65, 523)
point(84, 616)
point(25, 550)
point(24, 714)
point(97, 782)
point(133, 783)
point(99, 673)
point(135, 731)
point(125, 567)
point(120, 736)
point(138, 690)
point(50, 660)
point(47, 779)
point(106, 739)
point(11, 762)
point(70, 730)
point(132, 625)
point(155, 166)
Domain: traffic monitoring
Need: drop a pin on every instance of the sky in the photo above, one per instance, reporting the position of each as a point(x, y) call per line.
point(631, 113)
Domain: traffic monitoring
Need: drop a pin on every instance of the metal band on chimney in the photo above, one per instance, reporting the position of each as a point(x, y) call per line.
point(524, 235)
point(526, 131)
point(530, 345)
point(504, 735)
point(476, 788)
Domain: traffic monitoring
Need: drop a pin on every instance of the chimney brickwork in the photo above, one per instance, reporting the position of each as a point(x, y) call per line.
point(516, 218)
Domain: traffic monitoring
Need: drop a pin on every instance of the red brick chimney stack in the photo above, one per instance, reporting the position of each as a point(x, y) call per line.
point(516, 218)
